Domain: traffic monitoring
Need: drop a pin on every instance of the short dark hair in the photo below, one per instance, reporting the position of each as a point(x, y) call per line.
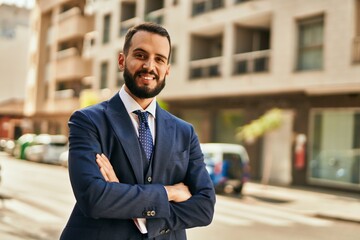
point(147, 27)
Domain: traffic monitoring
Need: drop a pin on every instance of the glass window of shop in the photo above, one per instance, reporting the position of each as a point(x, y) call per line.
point(200, 120)
point(334, 147)
point(226, 123)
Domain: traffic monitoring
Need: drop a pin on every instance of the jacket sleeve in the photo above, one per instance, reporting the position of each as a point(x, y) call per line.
point(196, 211)
point(95, 197)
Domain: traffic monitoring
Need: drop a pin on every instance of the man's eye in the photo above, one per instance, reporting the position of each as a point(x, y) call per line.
point(160, 60)
point(140, 55)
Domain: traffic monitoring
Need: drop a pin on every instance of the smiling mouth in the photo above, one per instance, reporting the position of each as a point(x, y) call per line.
point(146, 77)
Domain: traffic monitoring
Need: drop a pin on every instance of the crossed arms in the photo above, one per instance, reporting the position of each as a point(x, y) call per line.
point(176, 193)
point(100, 194)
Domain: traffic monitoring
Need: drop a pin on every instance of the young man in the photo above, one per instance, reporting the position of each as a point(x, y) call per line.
point(137, 178)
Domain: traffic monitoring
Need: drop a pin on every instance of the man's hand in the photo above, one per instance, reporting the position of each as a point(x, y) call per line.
point(178, 192)
point(106, 168)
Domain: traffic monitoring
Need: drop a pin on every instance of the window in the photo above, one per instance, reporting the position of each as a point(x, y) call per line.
point(310, 50)
point(68, 89)
point(203, 6)
point(104, 75)
point(334, 150)
point(127, 17)
point(252, 50)
point(106, 29)
point(206, 56)
point(154, 11)
point(200, 120)
point(226, 123)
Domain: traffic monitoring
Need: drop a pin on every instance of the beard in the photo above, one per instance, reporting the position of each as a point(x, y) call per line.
point(144, 91)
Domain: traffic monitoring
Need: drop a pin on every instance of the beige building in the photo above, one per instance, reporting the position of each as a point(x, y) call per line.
point(14, 38)
point(232, 61)
point(58, 70)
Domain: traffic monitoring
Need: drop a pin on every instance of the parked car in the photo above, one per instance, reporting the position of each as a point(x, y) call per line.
point(7, 145)
point(46, 148)
point(228, 166)
point(21, 144)
point(63, 158)
point(3, 142)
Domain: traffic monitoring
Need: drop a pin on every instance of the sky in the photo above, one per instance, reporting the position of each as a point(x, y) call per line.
point(21, 3)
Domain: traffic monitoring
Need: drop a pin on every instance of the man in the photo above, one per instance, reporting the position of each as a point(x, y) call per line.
point(122, 190)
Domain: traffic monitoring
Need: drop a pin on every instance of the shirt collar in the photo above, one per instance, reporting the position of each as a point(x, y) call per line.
point(131, 105)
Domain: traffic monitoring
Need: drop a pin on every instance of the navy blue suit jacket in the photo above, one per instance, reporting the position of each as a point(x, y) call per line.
point(105, 210)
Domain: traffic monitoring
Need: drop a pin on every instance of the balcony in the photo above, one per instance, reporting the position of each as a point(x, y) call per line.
point(251, 62)
point(46, 5)
point(73, 24)
point(70, 65)
point(356, 50)
point(156, 16)
point(203, 6)
point(205, 68)
point(127, 24)
point(62, 105)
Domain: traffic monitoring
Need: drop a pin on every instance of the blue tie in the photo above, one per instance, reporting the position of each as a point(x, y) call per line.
point(145, 137)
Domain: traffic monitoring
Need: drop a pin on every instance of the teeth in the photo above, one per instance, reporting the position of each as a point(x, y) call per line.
point(148, 78)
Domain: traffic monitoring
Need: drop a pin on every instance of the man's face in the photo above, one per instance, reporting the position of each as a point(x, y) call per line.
point(146, 64)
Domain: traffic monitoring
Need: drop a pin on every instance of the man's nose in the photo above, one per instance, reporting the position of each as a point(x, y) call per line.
point(149, 65)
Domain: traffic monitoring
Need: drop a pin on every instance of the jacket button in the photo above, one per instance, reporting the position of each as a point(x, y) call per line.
point(165, 230)
point(152, 213)
point(149, 179)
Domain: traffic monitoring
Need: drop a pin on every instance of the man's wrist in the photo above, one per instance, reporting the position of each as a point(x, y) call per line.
point(168, 190)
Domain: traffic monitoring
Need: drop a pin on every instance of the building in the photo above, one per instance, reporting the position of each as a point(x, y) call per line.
point(233, 60)
point(58, 69)
point(14, 38)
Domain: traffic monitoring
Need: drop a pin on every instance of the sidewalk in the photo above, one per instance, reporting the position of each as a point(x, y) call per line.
point(308, 201)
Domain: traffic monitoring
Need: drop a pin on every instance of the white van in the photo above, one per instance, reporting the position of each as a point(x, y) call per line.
point(228, 166)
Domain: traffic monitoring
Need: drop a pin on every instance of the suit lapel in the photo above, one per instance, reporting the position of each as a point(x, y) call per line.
point(125, 132)
point(165, 132)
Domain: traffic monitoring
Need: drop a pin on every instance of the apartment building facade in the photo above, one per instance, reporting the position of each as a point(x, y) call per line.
point(232, 61)
point(14, 34)
point(58, 69)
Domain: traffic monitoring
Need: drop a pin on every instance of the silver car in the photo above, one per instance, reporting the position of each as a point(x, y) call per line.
point(46, 148)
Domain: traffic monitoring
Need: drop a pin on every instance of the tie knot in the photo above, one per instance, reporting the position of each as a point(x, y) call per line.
point(143, 116)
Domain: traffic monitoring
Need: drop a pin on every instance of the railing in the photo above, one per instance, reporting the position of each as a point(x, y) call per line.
point(257, 61)
point(75, 11)
point(156, 16)
point(127, 24)
point(64, 94)
point(70, 52)
point(356, 50)
point(203, 6)
point(205, 68)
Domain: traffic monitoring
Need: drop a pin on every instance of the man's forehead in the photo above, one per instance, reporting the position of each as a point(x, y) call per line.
point(150, 41)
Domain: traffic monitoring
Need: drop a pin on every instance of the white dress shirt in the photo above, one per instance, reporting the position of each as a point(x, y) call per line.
point(131, 105)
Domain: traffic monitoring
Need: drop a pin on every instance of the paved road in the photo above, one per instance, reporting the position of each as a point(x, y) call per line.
point(42, 200)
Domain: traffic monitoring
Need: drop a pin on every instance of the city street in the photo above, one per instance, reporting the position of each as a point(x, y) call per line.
point(40, 201)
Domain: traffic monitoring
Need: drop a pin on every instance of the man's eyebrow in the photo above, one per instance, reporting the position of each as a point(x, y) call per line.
point(157, 54)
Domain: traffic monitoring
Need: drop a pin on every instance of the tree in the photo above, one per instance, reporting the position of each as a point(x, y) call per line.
point(249, 133)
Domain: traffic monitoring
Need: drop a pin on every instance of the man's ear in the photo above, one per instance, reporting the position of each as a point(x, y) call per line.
point(167, 70)
point(121, 61)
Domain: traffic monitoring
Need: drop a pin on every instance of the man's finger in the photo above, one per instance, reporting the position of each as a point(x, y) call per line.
point(104, 174)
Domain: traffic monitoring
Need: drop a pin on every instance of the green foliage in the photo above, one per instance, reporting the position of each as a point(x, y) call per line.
point(271, 120)
point(163, 104)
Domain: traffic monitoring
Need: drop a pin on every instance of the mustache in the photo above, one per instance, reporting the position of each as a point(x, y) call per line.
point(144, 71)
